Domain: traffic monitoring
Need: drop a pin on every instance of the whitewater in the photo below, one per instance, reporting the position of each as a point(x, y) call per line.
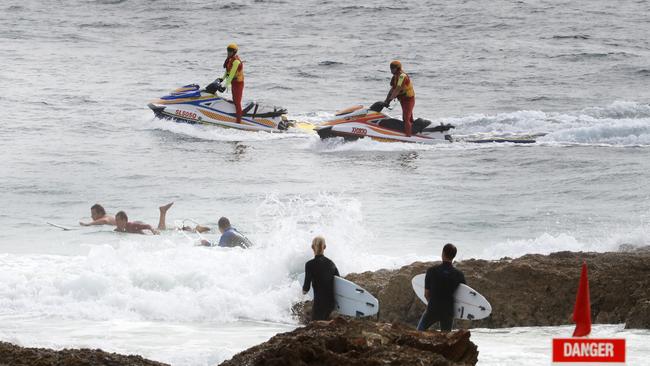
point(75, 131)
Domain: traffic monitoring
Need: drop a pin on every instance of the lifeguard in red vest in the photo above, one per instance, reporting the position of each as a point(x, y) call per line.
point(401, 88)
point(234, 77)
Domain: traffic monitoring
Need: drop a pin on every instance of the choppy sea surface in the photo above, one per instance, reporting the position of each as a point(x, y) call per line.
point(76, 77)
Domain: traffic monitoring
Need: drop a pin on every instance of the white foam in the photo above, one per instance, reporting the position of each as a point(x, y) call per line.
point(166, 278)
point(549, 243)
point(532, 345)
point(218, 133)
point(621, 123)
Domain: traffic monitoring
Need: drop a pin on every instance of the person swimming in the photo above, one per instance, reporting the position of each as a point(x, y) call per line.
point(99, 216)
point(230, 237)
point(124, 226)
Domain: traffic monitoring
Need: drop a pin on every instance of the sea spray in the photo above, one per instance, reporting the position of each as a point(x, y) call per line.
point(169, 278)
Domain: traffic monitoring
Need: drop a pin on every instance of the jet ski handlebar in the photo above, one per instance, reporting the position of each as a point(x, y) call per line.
point(377, 106)
point(215, 86)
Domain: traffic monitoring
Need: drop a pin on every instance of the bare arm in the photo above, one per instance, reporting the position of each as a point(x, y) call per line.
point(396, 90)
point(388, 98)
point(101, 221)
point(392, 94)
point(136, 228)
point(427, 295)
point(144, 227)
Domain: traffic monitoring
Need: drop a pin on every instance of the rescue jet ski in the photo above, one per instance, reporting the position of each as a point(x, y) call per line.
point(359, 122)
point(190, 104)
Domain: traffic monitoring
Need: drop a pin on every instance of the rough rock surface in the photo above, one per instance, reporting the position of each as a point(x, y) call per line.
point(19, 356)
point(533, 290)
point(358, 342)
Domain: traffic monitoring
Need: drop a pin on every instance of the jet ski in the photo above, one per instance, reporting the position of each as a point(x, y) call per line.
point(359, 122)
point(190, 104)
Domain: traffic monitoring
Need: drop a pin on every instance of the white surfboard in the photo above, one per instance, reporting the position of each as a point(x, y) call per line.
point(469, 304)
point(64, 228)
point(351, 299)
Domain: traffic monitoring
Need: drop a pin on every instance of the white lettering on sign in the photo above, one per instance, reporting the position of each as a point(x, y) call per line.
point(588, 350)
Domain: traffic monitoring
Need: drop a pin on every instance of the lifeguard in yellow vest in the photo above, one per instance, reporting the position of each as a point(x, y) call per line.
point(401, 88)
point(234, 77)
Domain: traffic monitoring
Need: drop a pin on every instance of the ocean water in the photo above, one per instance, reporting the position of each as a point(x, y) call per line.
point(75, 130)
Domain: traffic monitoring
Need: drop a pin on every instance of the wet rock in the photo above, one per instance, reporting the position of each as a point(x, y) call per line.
point(639, 316)
point(360, 342)
point(20, 356)
point(533, 290)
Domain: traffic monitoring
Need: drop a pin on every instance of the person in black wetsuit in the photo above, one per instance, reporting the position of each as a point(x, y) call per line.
point(320, 273)
point(440, 283)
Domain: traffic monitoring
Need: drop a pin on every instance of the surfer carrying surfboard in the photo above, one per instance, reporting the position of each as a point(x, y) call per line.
point(320, 272)
point(440, 284)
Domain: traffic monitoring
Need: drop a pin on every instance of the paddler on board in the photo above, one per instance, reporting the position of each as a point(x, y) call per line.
point(401, 88)
point(99, 217)
point(137, 227)
point(440, 284)
point(319, 273)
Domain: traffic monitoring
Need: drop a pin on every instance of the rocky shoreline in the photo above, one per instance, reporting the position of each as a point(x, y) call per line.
point(533, 290)
point(360, 342)
point(12, 355)
point(340, 341)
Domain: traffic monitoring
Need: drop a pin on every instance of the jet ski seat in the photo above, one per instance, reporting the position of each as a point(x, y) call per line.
point(187, 91)
point(254, 110)
point(392, 123)
point(397, 124)
point(439, 128)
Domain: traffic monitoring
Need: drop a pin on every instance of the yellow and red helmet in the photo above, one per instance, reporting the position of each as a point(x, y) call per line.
point(232, 47)
point(395, 64)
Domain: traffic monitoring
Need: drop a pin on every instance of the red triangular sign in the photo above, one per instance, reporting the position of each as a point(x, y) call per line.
point(582, 309)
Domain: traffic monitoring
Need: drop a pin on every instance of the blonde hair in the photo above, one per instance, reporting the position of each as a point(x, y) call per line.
point(318, 245)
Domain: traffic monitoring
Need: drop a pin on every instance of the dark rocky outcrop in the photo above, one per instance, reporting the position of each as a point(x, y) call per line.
point(358, 342)
point(533, 290)
point(12, 355)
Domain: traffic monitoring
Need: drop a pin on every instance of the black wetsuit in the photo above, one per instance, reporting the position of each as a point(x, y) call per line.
point(441, 281)
point(320, 272)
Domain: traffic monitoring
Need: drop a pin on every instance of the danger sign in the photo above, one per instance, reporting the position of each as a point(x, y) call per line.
point(589, 350)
